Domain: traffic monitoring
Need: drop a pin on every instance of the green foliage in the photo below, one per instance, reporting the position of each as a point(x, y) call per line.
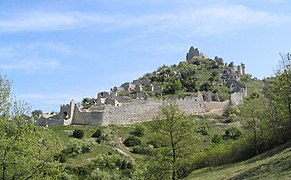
point(203, 129)
point(206, 87)
point(146, 150)
point(270, 165)
point(76, 148)
point(27, 151)
point(138, 131)
point(36, 113)
point(231, 118)
point(232, 133)
point(216, 139)
point(176, 131)
point(131, 141)
point(155, 142)
point(97, 134)
point(88, 102)
point(78, 133)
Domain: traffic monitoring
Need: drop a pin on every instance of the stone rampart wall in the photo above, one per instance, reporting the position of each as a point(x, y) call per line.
point(133, 112)
point(42, 121)
point(237, 98)
point(138, 111)
point(87, 118)
point(216, 105)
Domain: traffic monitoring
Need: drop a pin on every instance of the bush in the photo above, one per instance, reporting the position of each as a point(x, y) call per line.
point(98, 140)
point(131, 141)
point(203, 129)
point(142, 150)
point(78, 133)
point(155, 143)
point(232, 133)
point(86, 148)
point(138, 131)
point(231, 118)
point(61, 157)
point(97, 134)
point(216, 139)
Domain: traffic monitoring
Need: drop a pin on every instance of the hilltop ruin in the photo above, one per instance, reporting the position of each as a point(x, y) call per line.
point(114, 107)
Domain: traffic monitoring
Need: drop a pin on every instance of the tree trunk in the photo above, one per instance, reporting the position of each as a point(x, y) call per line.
point(174, 157)
point(255, 138)
point(4, 164)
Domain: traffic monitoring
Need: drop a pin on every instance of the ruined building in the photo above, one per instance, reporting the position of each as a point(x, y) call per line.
point(194, 53)
point(116, 108)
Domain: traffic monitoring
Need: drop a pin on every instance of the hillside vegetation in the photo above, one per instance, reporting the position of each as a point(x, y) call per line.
point(274, 164)
point(172, 146)
point(198, 74)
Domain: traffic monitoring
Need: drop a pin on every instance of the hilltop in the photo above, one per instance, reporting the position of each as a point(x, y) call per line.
point(199, 84)
point(153, 138)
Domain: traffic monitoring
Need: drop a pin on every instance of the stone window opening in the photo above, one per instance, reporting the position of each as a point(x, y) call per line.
point(65, 115)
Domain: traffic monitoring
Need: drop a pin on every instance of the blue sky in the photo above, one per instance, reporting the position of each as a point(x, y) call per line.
point(58, 50)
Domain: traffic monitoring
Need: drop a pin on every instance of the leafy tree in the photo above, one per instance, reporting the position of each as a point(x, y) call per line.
point(175, 130)
point(36, 113)
point(27, 151)
point(284, 83)
point(253, 116)
point(205, 87)
point(88, 102)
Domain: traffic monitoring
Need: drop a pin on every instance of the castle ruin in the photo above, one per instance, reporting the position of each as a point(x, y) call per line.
point(116, 107)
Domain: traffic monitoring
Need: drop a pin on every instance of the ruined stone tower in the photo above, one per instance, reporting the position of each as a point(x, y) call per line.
point(66, 112)
point(192, 53)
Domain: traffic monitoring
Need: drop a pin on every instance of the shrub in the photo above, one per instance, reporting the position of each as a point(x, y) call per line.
point(155, 143)
point(216, 139)
point(231, 118)
point(97, 134)
point(131, 141)
point(232, 133)
point(138, 131)
point(86, 148)
point(78, 133)
point(203, 129)
point(98, 140)
point(142, 150)
point(61, 157)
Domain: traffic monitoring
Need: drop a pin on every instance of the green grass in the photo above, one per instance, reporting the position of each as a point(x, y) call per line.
point(274, 164)
point(115, 135)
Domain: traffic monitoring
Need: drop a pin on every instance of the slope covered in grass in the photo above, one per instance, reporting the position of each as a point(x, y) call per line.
point(274, 164)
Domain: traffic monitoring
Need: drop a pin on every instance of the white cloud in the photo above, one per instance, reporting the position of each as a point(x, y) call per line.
point(31, 65)
point(210, 19)
point(216, 20)
point(33, 56)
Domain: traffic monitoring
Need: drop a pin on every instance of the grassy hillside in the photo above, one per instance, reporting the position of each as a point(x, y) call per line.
point(274, 164)
point(82, 156)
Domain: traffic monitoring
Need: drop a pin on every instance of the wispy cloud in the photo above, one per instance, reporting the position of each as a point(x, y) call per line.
point(53, 21)
point(46, 100)
point(216, 20)
point(33, 56)
point(31, 65)
point(210, 19)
